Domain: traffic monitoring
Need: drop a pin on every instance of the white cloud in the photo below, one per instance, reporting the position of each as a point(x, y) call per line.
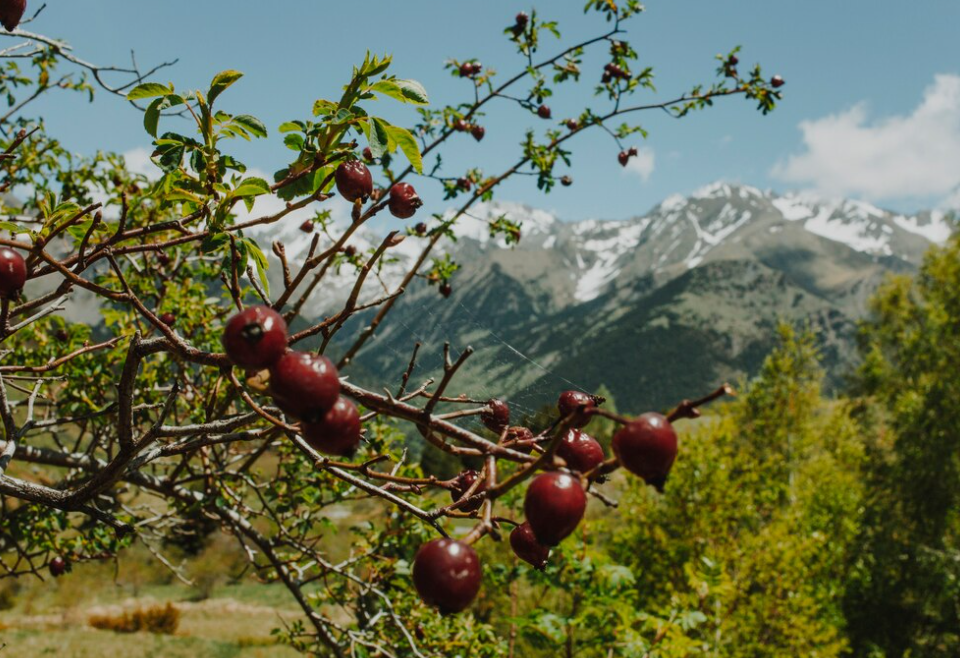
point(138, 162)
point(642, 163)
point(914, 155)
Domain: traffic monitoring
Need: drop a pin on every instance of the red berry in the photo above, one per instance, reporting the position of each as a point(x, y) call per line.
point(566, 181)
point(467, 69)
point(522, 19)
point(647, 447)
point(255, 338)
point(57, 566)
point(162, 258)
point(521, 439)
point(337, 432)
point(420, 228)
point(461, 126)
point(462, 485)
point(464, 184)
point(403, 201)
point(575, 401)
point(11, 11)
point(581, 451)
point(307, 226)
point(623, 158)
point(733, 60)
point(13, 272)
point(572, 124)
point(168, 319)
point(632, 151)
point(605, 78)
point(367, 154)
point(354, 180)
point(554, 505)
point(304, 385)
point(776, 81)
point(349, 251)
point(447, 574)
point(478, 132)
point(446, 289)
point(544, 112)
point(526, 547)
point(496, 417)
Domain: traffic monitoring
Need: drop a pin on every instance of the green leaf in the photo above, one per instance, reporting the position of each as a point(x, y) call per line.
point(293, 141)
point(253, 125)
point(151, 118)
point(290, 127)
point(378, 137)
point(260, 260)
point(405, 91)
point(220, 83)
point(408, 144)
point(324, 107)
point(13, 228)
point(251, 187)
point(149, 90)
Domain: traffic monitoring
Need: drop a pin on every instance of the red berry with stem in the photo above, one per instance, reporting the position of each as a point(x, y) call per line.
point(255, 338)
point(349, 251)
point(403, 201)
point(307, 226)
point(576, 402)
point(496, 416)
point(354, 180)
point(522, 19)
point(57, 566)
point(478, 132)
point(526, 547)
point(647, 446)
point(623, 158)
point(446, 289)
point(554, 505)
point(572, 124)
point(11, 12)
point(605, 78)
point(337, 432)
point(581, 451)
point(521, 438)
point(464, 184)
point(566, 181)
point(632, 151)
point(420, 228)
point(447, 574)
point(367, 154)
point(162, 258)
point(462, 484)
point(461, 126)
point(544, 112)
point(467, 70)
point(777, 82)
point(13, 273)
point(733, 60)
point(304, 385)
point(168, 319)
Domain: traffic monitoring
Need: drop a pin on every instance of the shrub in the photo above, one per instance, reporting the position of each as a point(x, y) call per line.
point(160, 620)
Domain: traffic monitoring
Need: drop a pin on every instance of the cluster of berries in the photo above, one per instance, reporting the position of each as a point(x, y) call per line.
point(355, 183)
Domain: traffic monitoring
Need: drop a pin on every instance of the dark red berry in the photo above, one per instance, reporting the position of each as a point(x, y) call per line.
point(575, 401)
point(403, 201)
point(255, 338)
point(632, 151)
point(420, 228)
point(544, 112)
point(447, 574)
point(304, 385)
point(776, 81)
point(461, 126)
point(554, 505)
point(566, 181)
point(526, 547)
point(61, 335)
point(467, 69)
point(354, 180)
point(367, 154)
point(464, 184)
point(477, 67)
point(522, 19)
point(57, 566)
point(349, 251)
point(733, 60)
point(13, 272)
point(731, 72)
point(307, 226)
point(572, 124)
point(521, 438)
point(605, 78)
point(496, 416)
point(623, 158)
point(162, 258)
point(11, 12)
point(446, 289)
point(478, 132)
point(462, 484)
point(168, 319)
point(647, 447)
point(337, 432)
point(581, 451)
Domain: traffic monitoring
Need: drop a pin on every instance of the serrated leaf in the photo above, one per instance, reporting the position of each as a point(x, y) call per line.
point(323, 107)
point(405, 91)
point(13, 228)
point(252, 124)
point(293, 141)
point(149, 90)
point(378, 137)
point(290, 127)
point(220, 83)
point(408, 144)
point(251, 187)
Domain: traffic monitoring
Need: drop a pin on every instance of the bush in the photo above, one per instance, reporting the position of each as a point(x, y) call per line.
point(161, 620)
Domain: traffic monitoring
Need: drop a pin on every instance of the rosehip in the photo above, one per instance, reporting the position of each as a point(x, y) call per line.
point(526, 547)
point(162, 258)
point(446, 289)
point(168, 319)
point(307, 226)
point(255, 338)
point(420, 228)
point(521, 439)
point(544, 112)
point(403, 201)
point(572, 124)
point(464, 184)
point(349, 251)
point(462, 484)
point(554, 505)
point(647, 447)
point(461, 126)
point(447, 574)
point(733, 60)
point(367, 154)
point(478, 132)
point(57, 566)
point(623, 158)
point(13, 272)
point(468, 69)
point(522, 19)
point(11, 12)
point(575, 401)
point(496, 417)
point(632, 151)
point(337, 432)
point(776, 81)
point(581, 451)
point(354, 180)
point(304, 385)
point(566, 181)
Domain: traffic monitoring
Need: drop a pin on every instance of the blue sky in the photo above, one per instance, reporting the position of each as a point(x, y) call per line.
point(864, 114)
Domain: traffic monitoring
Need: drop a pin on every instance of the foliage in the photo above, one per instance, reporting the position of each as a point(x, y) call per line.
point(162, 620)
